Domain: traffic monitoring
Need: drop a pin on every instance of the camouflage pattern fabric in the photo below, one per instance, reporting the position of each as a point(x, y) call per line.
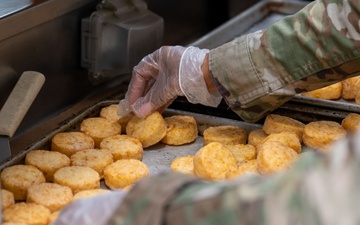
point(317, 46)
point(146, 204)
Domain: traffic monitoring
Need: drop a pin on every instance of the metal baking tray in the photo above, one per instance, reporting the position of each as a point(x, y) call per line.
point(157, 157)
point(260, 16)
point(341, 104)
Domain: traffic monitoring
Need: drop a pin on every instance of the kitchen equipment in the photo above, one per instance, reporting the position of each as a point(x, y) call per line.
point(15, 108)
point(117, 36)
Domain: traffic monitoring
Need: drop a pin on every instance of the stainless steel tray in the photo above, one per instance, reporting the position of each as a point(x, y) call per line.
point(260, 16)
point(158, 157)
point(341, 104)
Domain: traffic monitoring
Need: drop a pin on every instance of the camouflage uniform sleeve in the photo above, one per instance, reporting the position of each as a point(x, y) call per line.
point(315, 47)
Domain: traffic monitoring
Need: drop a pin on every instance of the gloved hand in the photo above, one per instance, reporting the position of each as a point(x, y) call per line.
point(96, 210)
point(160, 77)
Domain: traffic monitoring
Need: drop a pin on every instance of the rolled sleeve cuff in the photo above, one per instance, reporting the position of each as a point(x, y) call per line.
point(234, 72)
point(247, 91)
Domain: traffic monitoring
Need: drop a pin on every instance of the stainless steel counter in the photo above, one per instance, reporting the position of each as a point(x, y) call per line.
point(8, 7)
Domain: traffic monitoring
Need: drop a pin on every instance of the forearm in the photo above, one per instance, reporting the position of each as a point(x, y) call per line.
point(207, 76)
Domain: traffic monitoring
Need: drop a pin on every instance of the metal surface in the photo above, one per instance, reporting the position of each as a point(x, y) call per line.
point(158, 157)
point(36, 15)
point(116, 37)
point(341, 104)
point(5, 151)
point(8, 7)
point(46, 38)
point(308, 113)
point(259, 16)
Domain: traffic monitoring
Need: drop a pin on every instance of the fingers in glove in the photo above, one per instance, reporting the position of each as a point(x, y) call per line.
point(148, 108)
point(164, 107)
point(157, 98)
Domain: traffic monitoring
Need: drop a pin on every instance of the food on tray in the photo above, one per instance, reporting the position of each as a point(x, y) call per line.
point(289, 139)
point(96, 159)
point(47, 162)
point(227, 153)
point(70, 142)
point(14, 223)
point(275, 123)
point(7, 198)
point(90, 193)
point(225, 134)
point(255, 137)
point(123, 147)
point(180, 130)
point(213, 161)
point(357, 98)
point(274, 156)
point(149, 130)
point(128, 188)
point(183, 164)
point(78, 178)
point(124, 172)
point(330, 92)
point(99, 128)
point(52, 196)
point(350, 91)
point(242, 152)
point(27, 213)
point(351, 122)
point(245, 168)
point(111, 113)
point(320, 135)
point(18, 178)
point(351, 86)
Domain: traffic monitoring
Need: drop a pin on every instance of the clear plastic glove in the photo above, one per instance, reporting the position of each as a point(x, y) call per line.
point(95, 210)
point(160, 77)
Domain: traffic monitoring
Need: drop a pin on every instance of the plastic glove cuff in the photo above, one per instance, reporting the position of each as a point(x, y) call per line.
point(191, 78)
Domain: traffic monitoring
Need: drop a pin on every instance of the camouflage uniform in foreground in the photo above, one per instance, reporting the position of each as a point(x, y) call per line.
point(257, 73)
point(318, 46)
